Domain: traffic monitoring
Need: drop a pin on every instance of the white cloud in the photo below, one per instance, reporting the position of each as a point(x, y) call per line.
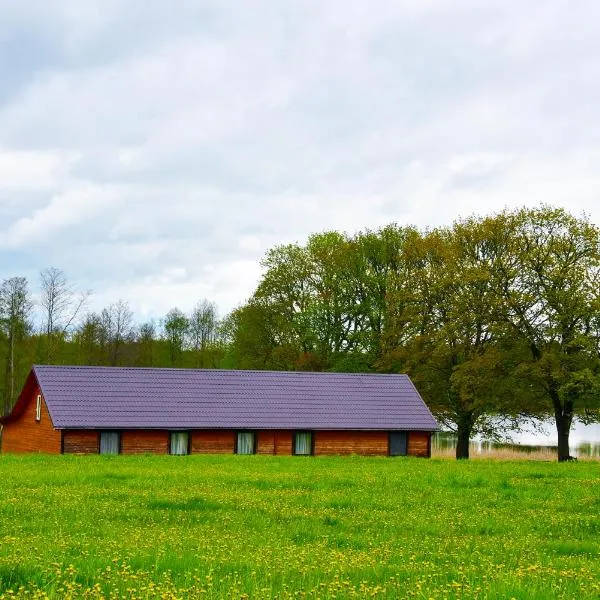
point(32, 170)
point(156, 151)
point(72, 209)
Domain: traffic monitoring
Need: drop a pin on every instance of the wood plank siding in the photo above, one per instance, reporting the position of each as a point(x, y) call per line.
point(275, 442)
point(84, 441)
point(26, 434)
point(145, 442)
point(213, 442)
point(366, 443)
point(283, 442)
point(419, 444)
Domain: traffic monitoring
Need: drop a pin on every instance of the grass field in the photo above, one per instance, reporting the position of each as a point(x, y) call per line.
point(293, 527)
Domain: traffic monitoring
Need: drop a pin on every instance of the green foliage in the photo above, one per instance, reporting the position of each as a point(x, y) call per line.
point(176, 329)
point(491, 316)
point(322, 304)
point(550, 292)
point(288, 527)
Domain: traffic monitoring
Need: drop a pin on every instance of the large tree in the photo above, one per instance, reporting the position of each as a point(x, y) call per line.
point(550, 290)
point(327, 298)
point(444, 331)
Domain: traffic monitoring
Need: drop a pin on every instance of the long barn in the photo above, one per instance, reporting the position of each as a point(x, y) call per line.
point(113, 410)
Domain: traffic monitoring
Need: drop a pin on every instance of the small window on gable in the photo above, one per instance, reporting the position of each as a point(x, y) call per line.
point(38, 408)
point(180, 443)
point(303, 443)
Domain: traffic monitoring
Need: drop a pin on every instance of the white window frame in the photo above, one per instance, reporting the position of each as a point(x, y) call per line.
point(38, 408)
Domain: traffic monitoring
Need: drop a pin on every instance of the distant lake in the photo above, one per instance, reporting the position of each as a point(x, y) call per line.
point(583, 441)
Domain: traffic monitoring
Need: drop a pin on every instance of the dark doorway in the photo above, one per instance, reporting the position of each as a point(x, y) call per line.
point(398, 443)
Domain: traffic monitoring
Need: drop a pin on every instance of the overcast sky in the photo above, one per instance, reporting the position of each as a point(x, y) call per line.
point(155, 150)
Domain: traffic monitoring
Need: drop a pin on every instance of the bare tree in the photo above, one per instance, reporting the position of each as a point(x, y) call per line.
point(116, 322)
point(15, 314)
point(203, 328)
point(60, 304)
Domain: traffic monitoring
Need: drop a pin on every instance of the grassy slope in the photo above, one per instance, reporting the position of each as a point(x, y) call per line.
point(208, 526)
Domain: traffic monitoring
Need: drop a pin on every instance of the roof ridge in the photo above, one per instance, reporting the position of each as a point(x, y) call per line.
point(216, 370)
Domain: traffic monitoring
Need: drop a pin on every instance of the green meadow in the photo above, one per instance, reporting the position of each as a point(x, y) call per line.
point(297, 527)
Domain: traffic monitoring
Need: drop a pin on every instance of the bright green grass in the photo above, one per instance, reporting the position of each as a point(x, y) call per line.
point(286, 527)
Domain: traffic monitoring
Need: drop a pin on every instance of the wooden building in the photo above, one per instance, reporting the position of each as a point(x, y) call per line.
point(112, 410)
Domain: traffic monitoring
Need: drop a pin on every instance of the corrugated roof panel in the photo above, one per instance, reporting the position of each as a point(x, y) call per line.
point(114, 397)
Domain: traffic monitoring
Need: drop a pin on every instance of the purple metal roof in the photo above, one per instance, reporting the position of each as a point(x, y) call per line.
point(122, 398)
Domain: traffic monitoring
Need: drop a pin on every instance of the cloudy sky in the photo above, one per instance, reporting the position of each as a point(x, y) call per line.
point(154, 150)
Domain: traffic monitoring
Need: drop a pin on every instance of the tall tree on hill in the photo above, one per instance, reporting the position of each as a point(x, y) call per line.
point(15, 314)
point(550, 287)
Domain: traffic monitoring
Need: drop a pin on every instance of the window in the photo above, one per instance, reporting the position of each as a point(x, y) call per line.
point(398, 443)
point(245, 442)
point(303, 443)
point(180, 443)
point(110, 442)
point(38, 408)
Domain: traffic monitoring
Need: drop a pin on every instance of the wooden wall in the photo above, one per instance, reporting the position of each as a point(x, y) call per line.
point(419, 444)
point(213, 442)
point(284, 442)
point(219, 441)
point(275, 442)
point(80, 442)
point(25, 434)
point(144, 442)
point(366, 443)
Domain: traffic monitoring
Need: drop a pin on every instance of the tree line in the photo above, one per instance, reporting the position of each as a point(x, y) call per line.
point(495, 318)
point(67, 333)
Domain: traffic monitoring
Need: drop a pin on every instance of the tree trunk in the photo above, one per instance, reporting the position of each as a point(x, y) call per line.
point(12, 370)
point(563, 415)
point(464, 439)
point(563, 429)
